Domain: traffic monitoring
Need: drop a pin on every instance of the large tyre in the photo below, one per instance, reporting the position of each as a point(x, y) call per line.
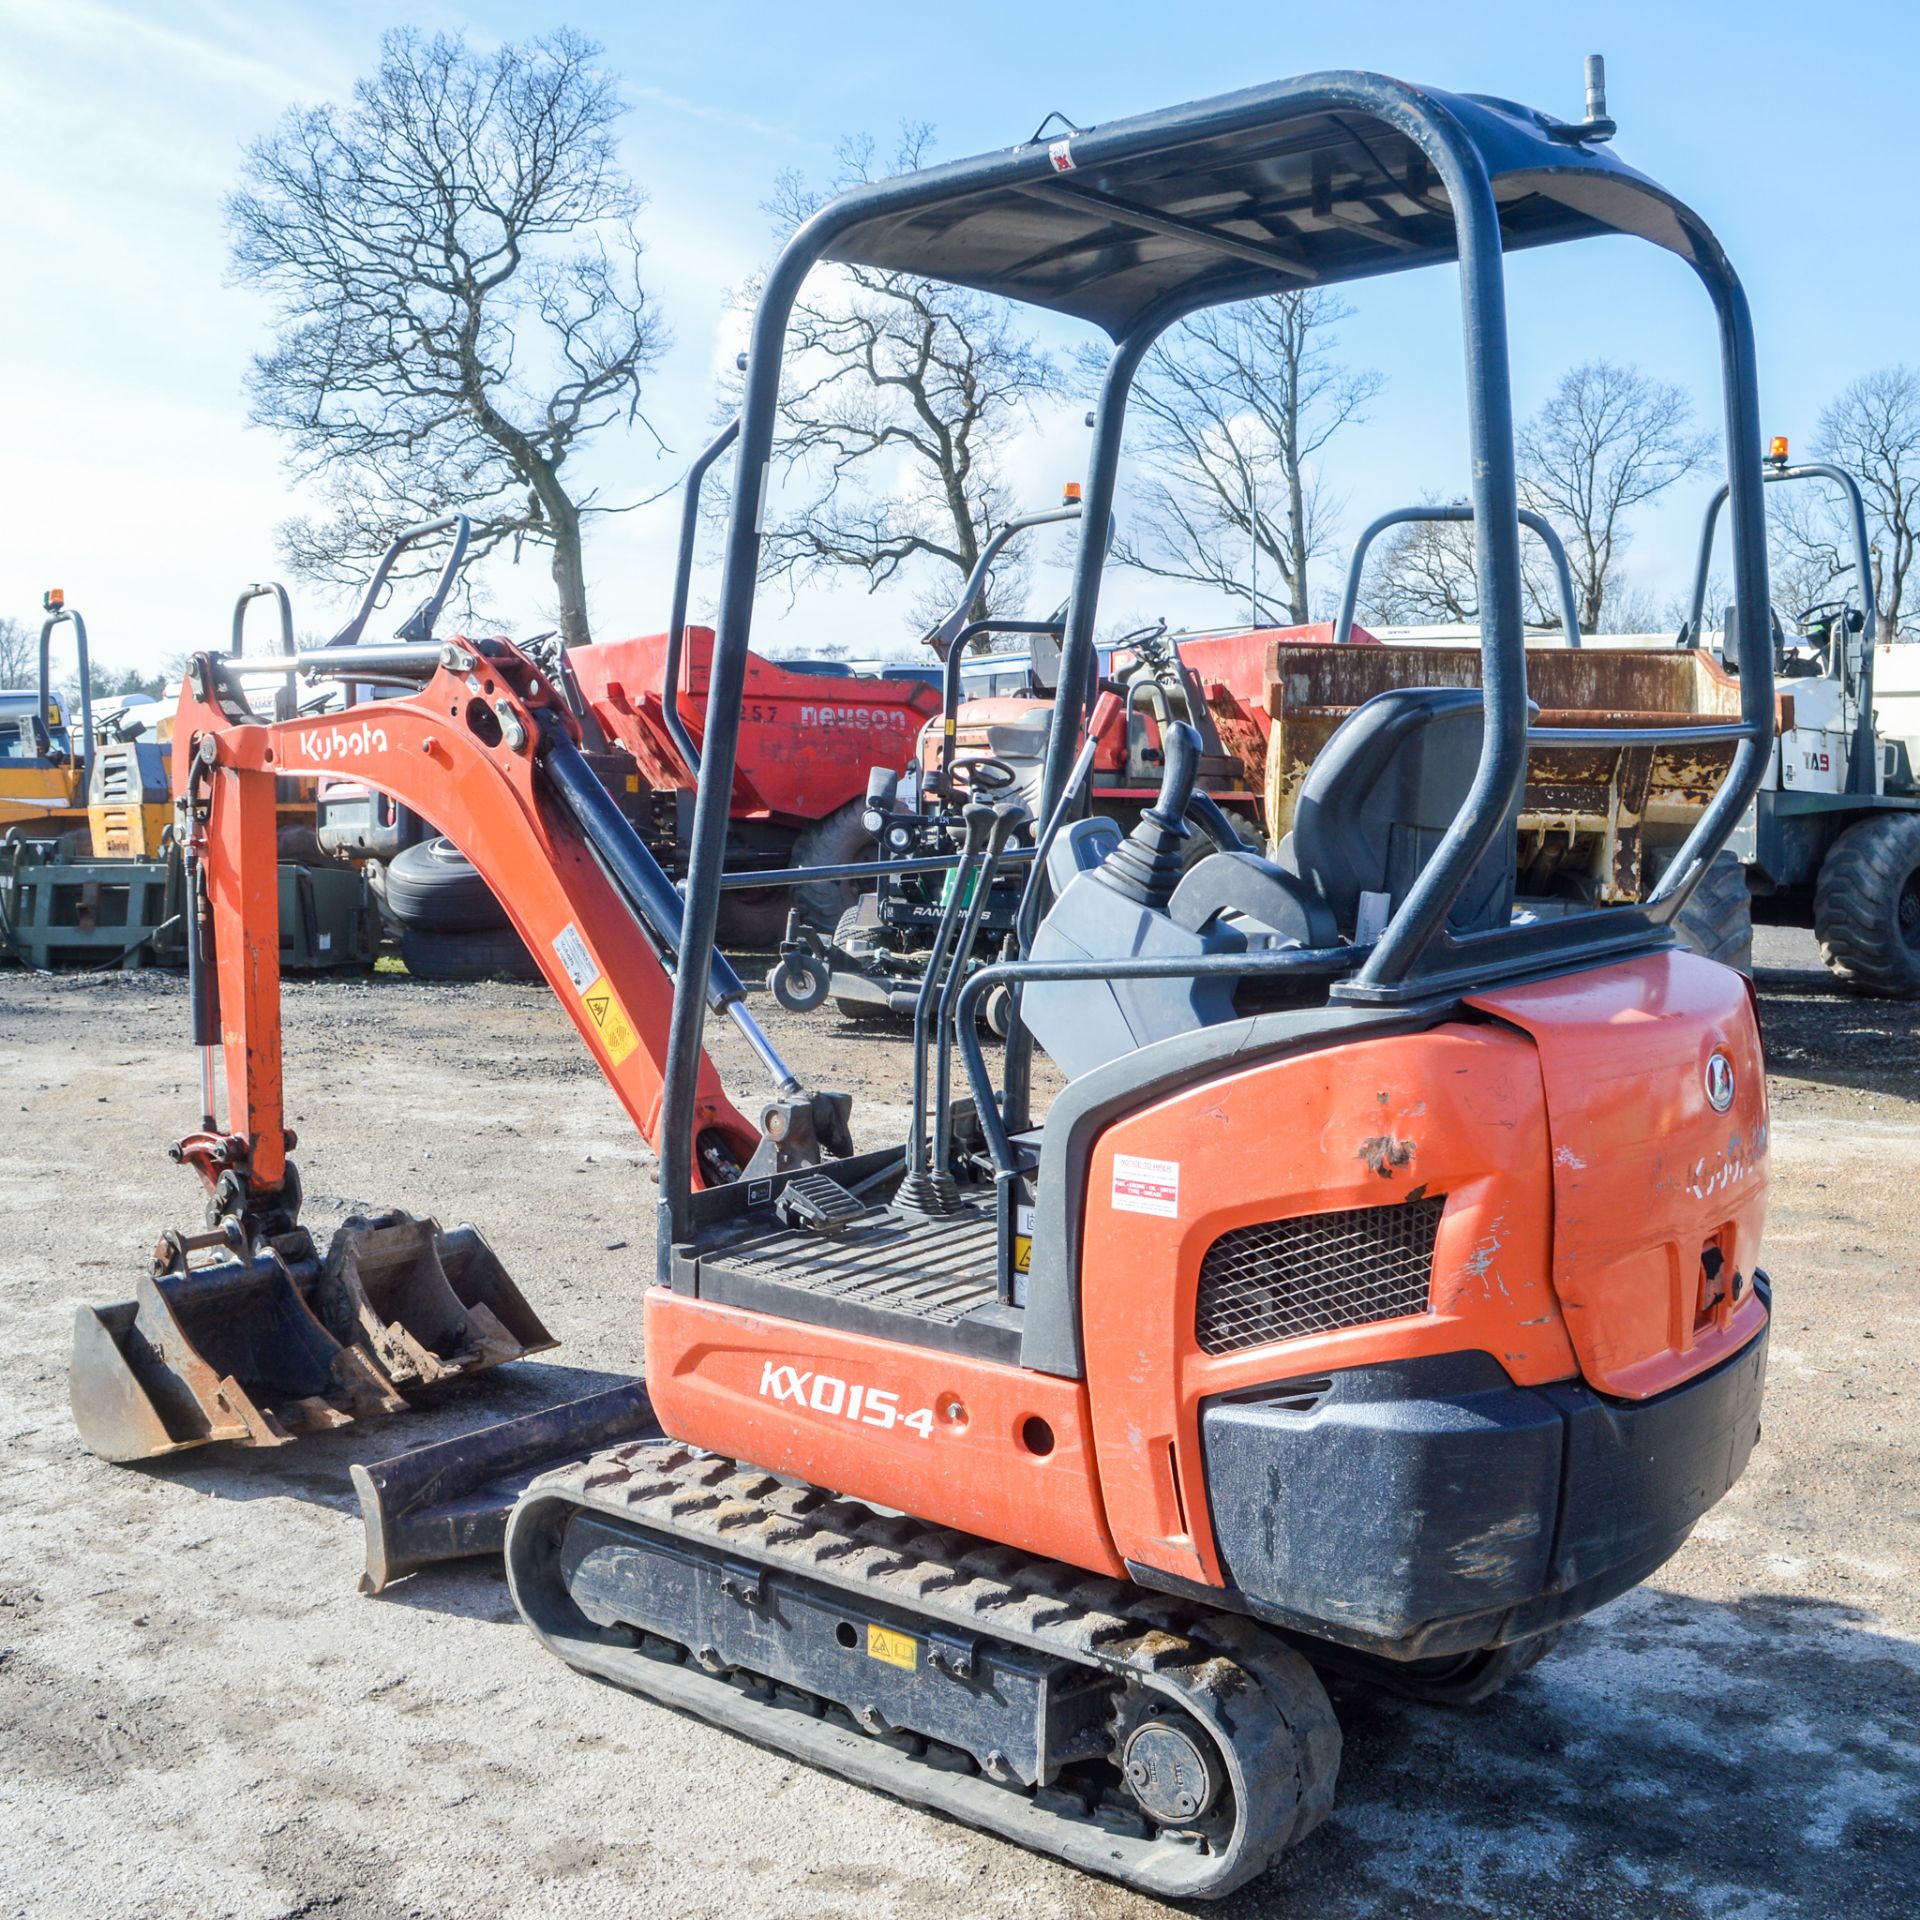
point(755, 918)
point(836, 841)
point(495, 953)
point(434, 888)
point(855, 935)
point(752, 919)
point(1717, 920)
point(854, 931)
point(1866, 906)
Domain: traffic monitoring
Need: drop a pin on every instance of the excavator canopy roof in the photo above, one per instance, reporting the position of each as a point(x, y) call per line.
point(1308, 182)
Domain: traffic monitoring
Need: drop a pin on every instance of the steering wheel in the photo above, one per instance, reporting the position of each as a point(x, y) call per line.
point(1829, 610)
point(982, 773)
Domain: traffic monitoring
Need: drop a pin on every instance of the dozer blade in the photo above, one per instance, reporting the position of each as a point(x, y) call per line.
point(450, 1501)
point(428, 1305)
point(223, 1352)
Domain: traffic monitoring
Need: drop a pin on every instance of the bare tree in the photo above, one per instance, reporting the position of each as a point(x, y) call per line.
point(900, 395)
point(1230, 415)
point(455, 275)
point(1810, 548)
point(19, 653)
point(1608, 440)
point(1873, 430)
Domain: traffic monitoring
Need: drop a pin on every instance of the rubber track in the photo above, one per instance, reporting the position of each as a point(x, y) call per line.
point(1260, 1700)
point(1855, 901)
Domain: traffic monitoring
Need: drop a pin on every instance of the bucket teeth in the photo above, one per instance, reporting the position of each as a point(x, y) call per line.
point(258, 1349)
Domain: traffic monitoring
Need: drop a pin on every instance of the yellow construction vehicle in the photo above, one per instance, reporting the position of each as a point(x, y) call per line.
point(43, 768)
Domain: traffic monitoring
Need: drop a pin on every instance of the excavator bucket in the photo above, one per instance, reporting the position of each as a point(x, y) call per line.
point(260, 1348)
point(223, 1352)
point(427, 1304)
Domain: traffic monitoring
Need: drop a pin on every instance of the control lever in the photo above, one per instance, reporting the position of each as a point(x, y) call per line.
point(923, 1190)
point(1009, 817)
point(1146, 866)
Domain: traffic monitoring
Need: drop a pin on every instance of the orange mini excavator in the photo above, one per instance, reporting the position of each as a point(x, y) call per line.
point(1379, 1294)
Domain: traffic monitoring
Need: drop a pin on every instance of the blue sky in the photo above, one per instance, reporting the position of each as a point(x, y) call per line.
point(131, 478)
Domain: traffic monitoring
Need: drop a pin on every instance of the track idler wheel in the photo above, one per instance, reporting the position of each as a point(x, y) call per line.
point(1170, 1764)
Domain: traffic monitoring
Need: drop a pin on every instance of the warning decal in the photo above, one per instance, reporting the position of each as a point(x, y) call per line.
point(1146, 1186)
point(575, 957)
point(896, 1649)
point(610, 1020)
point(1022, 1252)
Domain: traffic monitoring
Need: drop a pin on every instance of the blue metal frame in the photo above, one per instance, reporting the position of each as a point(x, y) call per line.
point(420, 623)
point(85, 750)
point(1860, 755)
point(285, 700)
point(691, 490)
point(1402, 516)
point(1559, 187)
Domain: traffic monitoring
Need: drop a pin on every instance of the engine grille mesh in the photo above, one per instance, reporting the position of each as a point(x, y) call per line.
point(1316, 1273)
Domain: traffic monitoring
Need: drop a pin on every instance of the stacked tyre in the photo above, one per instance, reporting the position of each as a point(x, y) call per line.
point(753, 919)
point(444, 915)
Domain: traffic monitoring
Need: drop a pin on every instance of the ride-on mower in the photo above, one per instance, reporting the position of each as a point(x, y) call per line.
point(1381, 1291)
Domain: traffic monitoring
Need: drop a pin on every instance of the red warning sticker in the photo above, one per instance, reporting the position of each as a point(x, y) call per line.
point(1146, 1186)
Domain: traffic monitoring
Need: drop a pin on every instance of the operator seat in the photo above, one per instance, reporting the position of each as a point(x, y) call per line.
point(1143, 897)
point(1377, 802)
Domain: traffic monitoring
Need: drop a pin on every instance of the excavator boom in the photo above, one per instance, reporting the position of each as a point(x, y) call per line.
point(467, 753)
point(246, 1332)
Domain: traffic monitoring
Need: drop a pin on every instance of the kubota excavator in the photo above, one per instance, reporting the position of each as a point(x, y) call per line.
point(1381, 1292)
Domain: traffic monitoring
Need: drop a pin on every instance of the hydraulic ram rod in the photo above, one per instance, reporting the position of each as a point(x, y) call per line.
point(411, 658)
point(654, 898)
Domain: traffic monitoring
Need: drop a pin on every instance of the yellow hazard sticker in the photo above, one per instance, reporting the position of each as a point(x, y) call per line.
point(896, 1649)
point(1023, 1253)
point(609, 1019)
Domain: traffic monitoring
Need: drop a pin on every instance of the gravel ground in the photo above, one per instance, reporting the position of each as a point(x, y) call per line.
point(199, 1716)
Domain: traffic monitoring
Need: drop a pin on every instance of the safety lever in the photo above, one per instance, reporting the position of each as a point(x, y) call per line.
point(1009, 817)
point(928, 1189)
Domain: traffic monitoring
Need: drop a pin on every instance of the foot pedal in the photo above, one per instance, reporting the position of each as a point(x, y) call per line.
point(818, 1203)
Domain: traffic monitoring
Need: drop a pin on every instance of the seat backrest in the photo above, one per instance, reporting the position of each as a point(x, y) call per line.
point(1385, 789)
